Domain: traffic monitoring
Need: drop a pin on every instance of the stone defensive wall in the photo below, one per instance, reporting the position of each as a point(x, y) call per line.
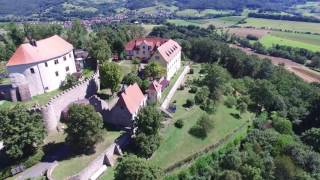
point(51, 112)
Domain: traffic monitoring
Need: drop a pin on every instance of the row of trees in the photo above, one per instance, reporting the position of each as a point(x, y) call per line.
point(284, 17)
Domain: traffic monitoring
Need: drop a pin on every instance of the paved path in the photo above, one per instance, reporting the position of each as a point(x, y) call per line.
point(36, 170)
point(174, 88)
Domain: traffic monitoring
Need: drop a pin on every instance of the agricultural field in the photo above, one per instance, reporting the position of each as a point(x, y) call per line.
point(154, 9)
point(244, 32)
point(307, 41)
point(197, 13)
point(283, 25)
point(174, 141)
point(218, 22)
point(69, 8)
point(308, 9)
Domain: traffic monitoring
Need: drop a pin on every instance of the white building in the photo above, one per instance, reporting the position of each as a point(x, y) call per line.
point(44, 64)
point(165, 51)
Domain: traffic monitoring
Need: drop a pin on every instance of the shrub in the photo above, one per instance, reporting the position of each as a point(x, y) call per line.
point(189, 103)
point(191, 71)
point(252, 37)
point(179, 123)
point(230, 101)
point(203, 126)
point(201, 95)
point(32, 160)
point(69, 82)
point(202, 71)
point(193, 90)
point(135, 61)
point(181, 87)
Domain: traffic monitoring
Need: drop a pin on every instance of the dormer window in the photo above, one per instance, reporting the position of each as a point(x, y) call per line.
point(32, 70)
point(56, 61)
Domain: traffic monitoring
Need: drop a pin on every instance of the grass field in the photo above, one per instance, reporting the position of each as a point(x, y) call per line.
point(73, 165)
point(308, 9)
point(197, 13)
point(177, 144)
point(126, 67)
point(218, 22)
point(289, 40)
point(284, 25)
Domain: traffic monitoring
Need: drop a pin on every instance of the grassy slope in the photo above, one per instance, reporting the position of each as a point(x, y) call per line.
point(285, 25)
point(177, 144)
point(74, 165)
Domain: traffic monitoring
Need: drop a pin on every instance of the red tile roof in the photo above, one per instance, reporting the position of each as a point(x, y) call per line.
point(155, 86)
point(169, 50)
point(45, 49)
point(132, 97)
point(150, 41)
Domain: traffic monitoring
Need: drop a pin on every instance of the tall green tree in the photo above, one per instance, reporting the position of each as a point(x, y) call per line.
point(99, 49)
point(77, 34)
point(154, 70)
point(16, 34)
point(131, 167)
point(22, 132)
point(110, 75)
point(84, 127)
point(312, 138)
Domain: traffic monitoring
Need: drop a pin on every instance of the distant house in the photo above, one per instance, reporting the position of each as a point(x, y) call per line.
point(126, 109)
point(154, 92)
point(42, 65)
point(165, 51)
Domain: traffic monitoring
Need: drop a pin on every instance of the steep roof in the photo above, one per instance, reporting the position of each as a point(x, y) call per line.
point(132, 97)
point(155, 86)
point(169, 50)
point(150, 41)
point(45, 49)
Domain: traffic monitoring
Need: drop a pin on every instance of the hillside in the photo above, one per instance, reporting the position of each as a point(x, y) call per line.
point(80, 8)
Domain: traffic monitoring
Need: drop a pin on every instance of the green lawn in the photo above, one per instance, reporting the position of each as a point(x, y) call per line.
point(284, 25)
point(172, 82)
point(197, 13)
point(127, 66)
point(108, 174)
point(218, 22)
point(178, 144)
point(310, 42)
point(75, 164)
point(36, 100)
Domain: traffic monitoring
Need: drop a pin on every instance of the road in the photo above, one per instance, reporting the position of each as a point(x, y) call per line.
point(300, 70)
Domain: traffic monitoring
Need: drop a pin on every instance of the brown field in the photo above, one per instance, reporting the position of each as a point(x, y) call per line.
point(300, 70)
point(243, 32)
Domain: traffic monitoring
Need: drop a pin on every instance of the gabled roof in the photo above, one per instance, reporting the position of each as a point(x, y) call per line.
point(169, 50)
point(132, 98)
point(155, 86)
point(150, 41)
point(44, 49)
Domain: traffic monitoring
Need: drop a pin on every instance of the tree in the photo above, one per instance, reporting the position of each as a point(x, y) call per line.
point(216, 79)
point(154, 70)
point(280, 124)
point(242, 107)
point(100, 50)
point(203, 126)
point(77, 34)
point(110, 74)
point(131, 167)
point(312, 138)
point(148, 120)
point(148, 123)
point(16, 34)
point(230, 175)
point(22, 132)
point(201, 95)
point(84, 127)
point(285, 168)
point(132, 78)
point(69, 82)
point(231, 161)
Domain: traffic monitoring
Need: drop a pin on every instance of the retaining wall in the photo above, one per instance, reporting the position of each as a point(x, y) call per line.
point(51, 112)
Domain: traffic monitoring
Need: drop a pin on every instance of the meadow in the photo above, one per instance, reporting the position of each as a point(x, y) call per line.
point(307, 41)
point(283, 25)
point(218, 22)
point(197, 13)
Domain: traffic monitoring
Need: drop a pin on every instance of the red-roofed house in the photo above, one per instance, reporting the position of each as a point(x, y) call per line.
point(43, 64)
point(128, 106)
point(165, 51)
point(154, 92)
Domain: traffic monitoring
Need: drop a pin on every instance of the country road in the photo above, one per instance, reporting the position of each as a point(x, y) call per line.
point(300, 70)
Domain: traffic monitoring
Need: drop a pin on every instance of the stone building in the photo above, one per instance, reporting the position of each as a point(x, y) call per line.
point(126, 109)
point(44, 65)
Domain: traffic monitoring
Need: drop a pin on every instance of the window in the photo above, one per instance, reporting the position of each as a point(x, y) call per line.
point(32, 70)
point(67, 68)
point(57, 73)
point(70, 55)
point(56, 61)
point(157, 57)
point(46, 64)
point(64, 58)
